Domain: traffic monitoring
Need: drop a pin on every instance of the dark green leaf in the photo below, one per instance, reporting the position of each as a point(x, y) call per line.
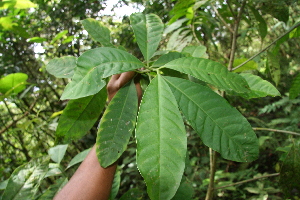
point(161, 141)
point(132, 194)
point(62, 67)
point(80, 115)
point(220, 126)
point(116, 125)
point(274, 67)
point(185, 191)
point(295, 88)
point(95, 64)
point(262, 25)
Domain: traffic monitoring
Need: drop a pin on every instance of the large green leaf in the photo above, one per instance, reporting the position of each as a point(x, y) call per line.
point(161, 141)
point(116, 125)
point(95, 64)
point(148, 31)
point(220, 126)
point(295, 88)
point(25, 180)
point(97, 31)
point(258, 87)
point(290, 173)
point(80, 115)
point(211, 72)
point(274, 67)
point(62, 67)
point(13, 83)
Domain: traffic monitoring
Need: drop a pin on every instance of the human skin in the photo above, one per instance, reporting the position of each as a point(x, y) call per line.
point(91, 181)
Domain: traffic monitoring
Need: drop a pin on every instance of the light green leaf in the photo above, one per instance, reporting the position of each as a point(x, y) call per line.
point(219, 125)
point(179, 39)
point(57, 153)
point(7, 23)
point(196, 51)
point(36, 39)
point(161, 141)
point(258, 87)
point(148, 31)
point(211, 72)
point(164, 59)
point(295, 88)
point(59, 36)
point(97, 31)
point(53, 189)
point(274, 67)
point(25, 180)
point(13, 83)
point(95, 64)
point(80, 115)
point(62, 67)
point(251, 65)
point(68, 39)
point(290, 172)
point(116, 125)
point(78, 158)
point(3, 184)
point(19, 4)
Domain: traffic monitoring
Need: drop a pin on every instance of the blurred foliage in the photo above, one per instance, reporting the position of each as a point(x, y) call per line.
point(32, 34)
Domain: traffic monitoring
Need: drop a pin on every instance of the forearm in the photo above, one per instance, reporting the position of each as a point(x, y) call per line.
point(90, 181)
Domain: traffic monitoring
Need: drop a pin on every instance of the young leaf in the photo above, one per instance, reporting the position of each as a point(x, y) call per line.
point(161, 141)
point(58, 152)
point(148, 31)
point(80, 115)
point(220, 126)
point(295, 88)
point(95, 64)
point(258, 87)
point(13, 83)
point(116, 125)
point(97, 31)
point(211, 72)
point(290, 172)
point(274, 67)
point(25, 180)
point(62, 67)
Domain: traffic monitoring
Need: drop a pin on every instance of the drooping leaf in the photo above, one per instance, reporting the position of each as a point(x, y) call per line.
point(116, 125)
point(62, 67)
point(219, 125)
point(251, 65)
point(80, 115)
point(78, 158)
point(211, 72)
point(97, 31)
point(196, 51)
point(274, 67)
point(148, 31)
point(95, 64)
point(58, 152)
point(13, 83)
point(115, 186)
point(262, 25)
point(290, 172)
point(53, 189)
point(161, 141)
point(25, 180)
point(258, 87)
point(295, 88)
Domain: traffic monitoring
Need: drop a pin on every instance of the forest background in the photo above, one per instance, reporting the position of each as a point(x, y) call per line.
point(230, 32)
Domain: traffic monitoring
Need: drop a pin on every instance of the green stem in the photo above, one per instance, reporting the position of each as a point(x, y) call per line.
point(275, 130)
point(210, 189)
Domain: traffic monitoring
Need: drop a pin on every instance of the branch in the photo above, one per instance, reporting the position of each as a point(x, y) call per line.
point(275, 130)
point(210, 189)
point(246, 181)
point(222, 20)
point(264, 49)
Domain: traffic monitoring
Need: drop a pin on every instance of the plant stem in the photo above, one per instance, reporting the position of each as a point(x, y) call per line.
point(264, 49)
point(249, 180)
point(210, 189)
point(275, 130)
point(222, 19)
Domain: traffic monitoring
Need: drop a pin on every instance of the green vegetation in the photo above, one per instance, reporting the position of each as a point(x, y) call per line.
point(219, 117)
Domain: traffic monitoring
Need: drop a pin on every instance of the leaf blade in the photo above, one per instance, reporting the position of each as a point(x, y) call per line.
point(62, 67)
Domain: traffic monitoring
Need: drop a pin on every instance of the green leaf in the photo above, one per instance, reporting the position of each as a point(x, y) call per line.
point(95, 64)
point(36, 39)
point(78, 158)
point(262, 25)
point(25, 180)
point(148, 31)
point(7, 23)
point(164, 59)
point(116, 125)
point(211, 72)
point(19, 4)
point(57, 153)
point(258, 87)
point(219, 125)
point(132, 194)
point(274, 67)
point(185, 191)
point(180, 39)
point(80, 115)
point(196, 51)
point(175, 25)
point(295, 88)
point(161, 141)
point(59, 36)
point(62, 67)
point(290, 172)
point(53, 189)
point(13, 83)
point(97, 31)
point(251, 65)
point(115, 186)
